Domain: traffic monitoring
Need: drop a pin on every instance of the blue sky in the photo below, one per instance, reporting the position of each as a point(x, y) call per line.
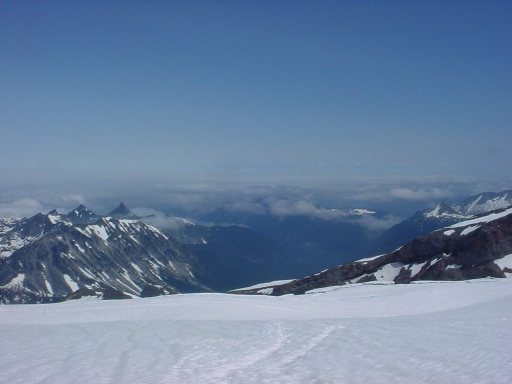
point(268, 92)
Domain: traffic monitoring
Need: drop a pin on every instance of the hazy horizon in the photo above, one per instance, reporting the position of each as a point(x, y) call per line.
point(184, 106)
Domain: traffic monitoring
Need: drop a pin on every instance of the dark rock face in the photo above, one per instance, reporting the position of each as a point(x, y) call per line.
point(113, 294)
point(151, 291)
point(459, 253)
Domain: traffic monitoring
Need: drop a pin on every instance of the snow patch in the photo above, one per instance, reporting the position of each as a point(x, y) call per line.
point(126, 275)
point(388, 272)
point(136, 267)
point(100, 231)
point(78, 247)
point(415, 268)
point(264, 285)
point(54, 219)
point(483, 219)
point(469, 229)
point(48, 286)
point(366, 259)
point(71, 283)
point(16, 282)
point(504, 262)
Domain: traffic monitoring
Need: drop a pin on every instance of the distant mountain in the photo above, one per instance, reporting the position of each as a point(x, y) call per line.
point(421, 223)
point(441, 215)
point(475, 248)
point(48, 258)
point(82, 215)
point(121, 212)
point(485, 202)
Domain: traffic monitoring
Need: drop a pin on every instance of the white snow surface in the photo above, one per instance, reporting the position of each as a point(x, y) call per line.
point(99, 230)
point(433, 332)
point(449, 332)
point(483, 219)
point(266, 291)
point(366, 259)
point(264, 285)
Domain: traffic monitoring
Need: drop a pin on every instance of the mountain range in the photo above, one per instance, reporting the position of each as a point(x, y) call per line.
point(441, 215)
point(53, 257)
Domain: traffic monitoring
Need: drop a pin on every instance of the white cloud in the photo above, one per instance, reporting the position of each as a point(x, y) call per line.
point(419, 193)
point(159, 219)
point(283, 207)
point(377, 223)
point(73, 198)
point(22, 207)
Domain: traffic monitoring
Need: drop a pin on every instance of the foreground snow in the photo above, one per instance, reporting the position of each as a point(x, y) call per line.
point(454, 332)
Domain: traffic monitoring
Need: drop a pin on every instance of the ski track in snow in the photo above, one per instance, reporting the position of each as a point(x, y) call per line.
point(340, 336)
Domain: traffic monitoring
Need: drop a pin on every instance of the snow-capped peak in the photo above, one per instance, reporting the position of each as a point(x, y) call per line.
point(82, 215)
point(485, 202)
point(361, 211)
point(56, 217)
point(443, 210)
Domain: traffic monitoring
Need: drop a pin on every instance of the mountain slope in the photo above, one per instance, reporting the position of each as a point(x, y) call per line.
point(421, 223)
point(82, 215)
point(485, 202)
point(441, 215)
point(480, 247)
point(46, 258)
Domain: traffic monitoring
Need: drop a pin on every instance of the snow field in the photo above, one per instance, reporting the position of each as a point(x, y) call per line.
point(451, 332)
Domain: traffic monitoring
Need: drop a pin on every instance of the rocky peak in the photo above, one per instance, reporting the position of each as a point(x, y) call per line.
point(440, 210)
point(121, 212)
point(82, 215)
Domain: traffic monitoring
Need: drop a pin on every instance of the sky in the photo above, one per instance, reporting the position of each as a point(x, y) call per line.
point(95, 94)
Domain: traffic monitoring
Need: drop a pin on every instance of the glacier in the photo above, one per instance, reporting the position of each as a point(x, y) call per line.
point(445, 332)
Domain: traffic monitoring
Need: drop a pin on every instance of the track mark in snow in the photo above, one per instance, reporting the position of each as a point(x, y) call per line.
point(309, 346)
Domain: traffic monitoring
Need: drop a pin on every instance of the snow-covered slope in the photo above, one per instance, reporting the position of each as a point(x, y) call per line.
point(452, 332)
point(483, 219)
point(485, 202)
